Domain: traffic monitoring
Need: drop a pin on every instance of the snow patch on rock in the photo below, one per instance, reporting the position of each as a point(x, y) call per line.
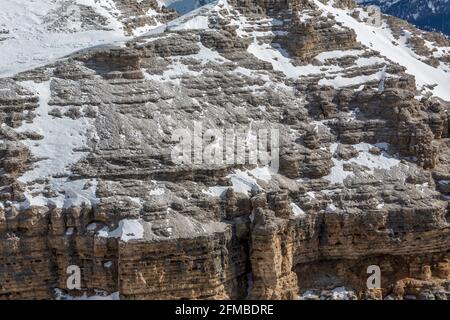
point(128, 229)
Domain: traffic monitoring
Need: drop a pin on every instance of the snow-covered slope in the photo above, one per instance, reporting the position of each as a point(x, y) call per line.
point(382, 40)
point(36, 32)
point(41, 31)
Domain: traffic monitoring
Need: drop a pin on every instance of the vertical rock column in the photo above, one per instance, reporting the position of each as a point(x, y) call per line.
point(272, 253)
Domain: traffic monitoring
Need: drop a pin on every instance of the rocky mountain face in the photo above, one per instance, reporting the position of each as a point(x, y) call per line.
point(87, 177)
point(428, 15)
point(39, 32)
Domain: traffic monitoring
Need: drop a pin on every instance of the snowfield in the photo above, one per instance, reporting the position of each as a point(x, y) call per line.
point(32, 40)
point(39, 32)
point(381, 39)
point(30, 43)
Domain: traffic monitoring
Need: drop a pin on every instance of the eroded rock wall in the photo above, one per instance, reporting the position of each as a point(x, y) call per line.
point(363, 177)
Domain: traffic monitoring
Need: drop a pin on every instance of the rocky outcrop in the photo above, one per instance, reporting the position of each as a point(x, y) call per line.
point(420, 42)
point(307, 38)
point(139, 14)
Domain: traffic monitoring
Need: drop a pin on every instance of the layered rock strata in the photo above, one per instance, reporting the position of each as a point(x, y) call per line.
point(88, 178)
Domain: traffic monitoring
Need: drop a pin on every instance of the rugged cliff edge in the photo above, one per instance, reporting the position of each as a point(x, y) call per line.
point(87, 177)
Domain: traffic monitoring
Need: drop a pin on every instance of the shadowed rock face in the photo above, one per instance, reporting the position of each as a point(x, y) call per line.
point(87, 176)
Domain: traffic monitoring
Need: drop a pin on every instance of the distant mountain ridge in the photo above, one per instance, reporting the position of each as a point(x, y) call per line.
point(432, 15)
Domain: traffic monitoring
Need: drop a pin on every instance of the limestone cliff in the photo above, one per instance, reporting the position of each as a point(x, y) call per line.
point(87, 176)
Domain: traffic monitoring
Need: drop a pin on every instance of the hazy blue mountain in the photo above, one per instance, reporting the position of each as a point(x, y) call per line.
point(428, 15)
